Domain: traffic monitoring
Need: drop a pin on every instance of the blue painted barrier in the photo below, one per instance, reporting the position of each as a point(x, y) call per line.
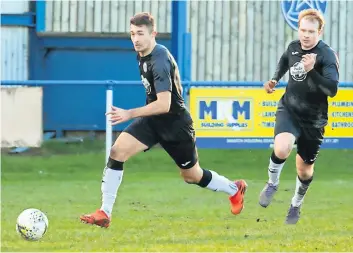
point(83, 108)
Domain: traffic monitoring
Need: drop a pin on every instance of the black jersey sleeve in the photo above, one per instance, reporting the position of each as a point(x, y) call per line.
point(328, 81)
point(161, 68)
point(282, 66)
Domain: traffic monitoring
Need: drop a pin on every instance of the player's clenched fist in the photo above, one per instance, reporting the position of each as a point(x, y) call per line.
point(308, 61)
point(270, 86)
point(118, 115)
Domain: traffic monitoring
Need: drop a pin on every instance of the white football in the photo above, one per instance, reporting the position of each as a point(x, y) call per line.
point(32, 224)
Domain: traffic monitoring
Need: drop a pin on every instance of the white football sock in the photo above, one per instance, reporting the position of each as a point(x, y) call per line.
point(300, 191)
point(274, 172)
point(110, 185)
point(222, 184)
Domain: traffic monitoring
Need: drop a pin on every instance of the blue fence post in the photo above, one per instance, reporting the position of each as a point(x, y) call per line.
point(40, 15)
point(187, 60)
point(186, 65)
point(179, 28)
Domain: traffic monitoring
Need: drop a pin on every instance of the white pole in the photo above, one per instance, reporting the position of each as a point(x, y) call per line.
point(108, 125)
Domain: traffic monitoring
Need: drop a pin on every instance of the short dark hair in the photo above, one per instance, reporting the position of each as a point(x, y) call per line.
point(143, 18)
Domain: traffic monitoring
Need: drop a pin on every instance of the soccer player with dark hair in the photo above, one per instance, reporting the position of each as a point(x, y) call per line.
point(302, 112)
point(164, 120)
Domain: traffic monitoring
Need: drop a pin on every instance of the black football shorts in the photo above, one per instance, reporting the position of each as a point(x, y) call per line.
point(177, 137)
point(308, 138)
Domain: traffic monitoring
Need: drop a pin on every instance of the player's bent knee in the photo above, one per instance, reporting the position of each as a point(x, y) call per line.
point(283, 145)
point(304, 170)
point(283, 150)
point(192, 175)
point(118, 153)
point(126, 146)
point(305, 173)
point(190, 180)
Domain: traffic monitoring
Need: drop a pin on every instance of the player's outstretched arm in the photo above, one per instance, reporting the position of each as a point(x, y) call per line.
point(328, 81)
point(282, 67)
point(160, 106)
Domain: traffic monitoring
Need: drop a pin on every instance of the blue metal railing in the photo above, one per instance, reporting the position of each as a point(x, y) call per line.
point(113, 83)
point(78, 105)
point(116, 83)
point(110, 84)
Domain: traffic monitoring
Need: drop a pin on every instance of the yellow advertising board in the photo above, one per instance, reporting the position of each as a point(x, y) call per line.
point(250, 113)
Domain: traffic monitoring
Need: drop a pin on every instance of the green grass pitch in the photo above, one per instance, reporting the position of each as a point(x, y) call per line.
point(157, 211)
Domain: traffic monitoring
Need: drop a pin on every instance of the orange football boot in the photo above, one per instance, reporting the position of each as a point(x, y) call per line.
point(237, 200)
point(99, 218)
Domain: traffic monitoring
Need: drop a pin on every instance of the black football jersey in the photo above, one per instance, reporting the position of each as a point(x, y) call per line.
point(159, 72)
point(307, 92)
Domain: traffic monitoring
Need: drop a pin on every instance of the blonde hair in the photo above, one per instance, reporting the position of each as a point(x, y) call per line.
point(312, 14)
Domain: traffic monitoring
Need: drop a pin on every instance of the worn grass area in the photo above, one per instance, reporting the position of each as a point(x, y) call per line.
point(157, 211)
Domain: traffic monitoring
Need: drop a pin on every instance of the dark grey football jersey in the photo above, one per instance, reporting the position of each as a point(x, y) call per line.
point(306, 93)
point(159, 72)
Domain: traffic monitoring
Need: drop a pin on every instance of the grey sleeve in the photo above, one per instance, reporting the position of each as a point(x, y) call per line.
point(328, 81)
point(161, 68)
point(331, 66)
point(282, 66)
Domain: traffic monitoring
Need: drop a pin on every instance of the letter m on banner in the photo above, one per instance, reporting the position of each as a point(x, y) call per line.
point(208, 108)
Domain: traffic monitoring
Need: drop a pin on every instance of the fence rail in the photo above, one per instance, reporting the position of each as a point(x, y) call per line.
point(78, 105)
point(110, 84)
point(115, 83)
